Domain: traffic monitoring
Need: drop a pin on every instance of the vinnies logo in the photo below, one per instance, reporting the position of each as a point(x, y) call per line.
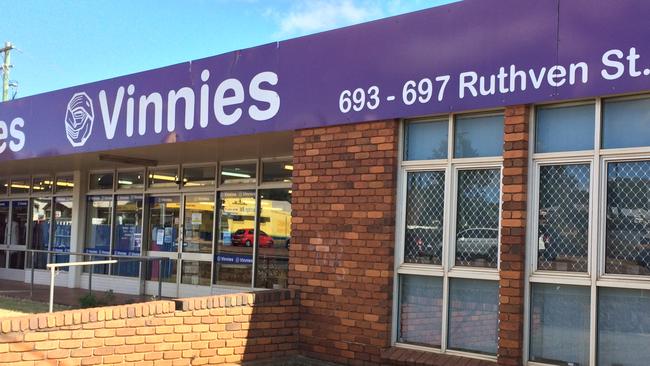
point(79, 119)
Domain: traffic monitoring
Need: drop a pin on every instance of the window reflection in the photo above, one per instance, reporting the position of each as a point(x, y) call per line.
point(62, 229)
point(98, 230)
point(127, 238)
point(273, 239)
point(40, 238)
point(234, 253)
point(199, 224)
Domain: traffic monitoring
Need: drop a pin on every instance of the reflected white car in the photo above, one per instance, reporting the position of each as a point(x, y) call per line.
point(478, 243)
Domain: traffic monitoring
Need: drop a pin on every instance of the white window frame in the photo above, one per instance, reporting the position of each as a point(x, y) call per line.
point(447, 270)
point(596, 276)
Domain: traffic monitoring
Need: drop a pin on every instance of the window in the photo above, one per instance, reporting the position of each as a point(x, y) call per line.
point(64, 184)
point(197, 177)
point(163, 178)
point(130, 179)
point(19, 186)
point(4, 186)
point(99, 217)
point(277, 171)
point(589, 242)
point(99, 181)
point(127, 234)
point(42, 185)
point(449, 250)
point(238, 173)
point(273, 238)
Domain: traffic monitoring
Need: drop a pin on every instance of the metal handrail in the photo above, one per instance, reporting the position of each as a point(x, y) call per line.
point(112, 259)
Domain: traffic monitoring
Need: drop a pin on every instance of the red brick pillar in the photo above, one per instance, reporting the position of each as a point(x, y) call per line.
point(513, 236)
point(343, 230)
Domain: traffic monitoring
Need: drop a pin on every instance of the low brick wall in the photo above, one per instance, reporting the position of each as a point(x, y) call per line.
point(212, 330)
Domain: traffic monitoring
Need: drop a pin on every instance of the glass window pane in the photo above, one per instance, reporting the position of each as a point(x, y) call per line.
point(164, 269)
point(426, 140)
point(565, 128)
point(239, 173)
point(62, 228)
point(623, 327)
point(199, 223)
point(163, 178)
point(273, 238)
point(563, 227)
point(130, 180)
point(4, 186)
point(626, 123)
point(196, 273)
point(628, 218)
point(3, 258)
point(277, 171)
point(40, 238)
point(234, 252)
point(559, 324)
point(4, 222)
point(424, 217)
point(473, 315)
point(19, 222)
point(164, 220)
point(478, 136)
point(477, 217)
point(64, 184)
point(42, 184)
point(101, 180)
point(98, 230)
point(194, 177)
point(17, 259)
point(20, 186)
point(420, 317)
point(127, 238)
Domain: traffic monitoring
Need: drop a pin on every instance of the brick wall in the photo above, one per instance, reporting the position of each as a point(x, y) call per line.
point(513, 235)
point(198, 331)
point(343, 233)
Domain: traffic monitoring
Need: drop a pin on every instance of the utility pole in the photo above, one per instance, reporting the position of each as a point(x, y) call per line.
point(6, 65)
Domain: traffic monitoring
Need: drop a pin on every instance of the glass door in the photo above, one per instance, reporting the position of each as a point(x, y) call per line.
point(164, 219)
point(4, 232)
point(17, 233)
point(197, 238)
point(233, 257)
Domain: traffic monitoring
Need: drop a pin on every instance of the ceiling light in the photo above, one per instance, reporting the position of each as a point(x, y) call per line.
point(238, 175)
point(288, 167)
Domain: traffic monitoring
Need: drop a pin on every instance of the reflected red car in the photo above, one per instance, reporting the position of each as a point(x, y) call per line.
point(246, 237)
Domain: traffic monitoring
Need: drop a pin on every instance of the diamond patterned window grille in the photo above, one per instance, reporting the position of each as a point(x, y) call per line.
point(477, 218)
point(563, 226)
point(628, 218)
point(424, 217)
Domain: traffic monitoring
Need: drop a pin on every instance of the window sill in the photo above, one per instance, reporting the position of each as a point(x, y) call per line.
point(403, 356)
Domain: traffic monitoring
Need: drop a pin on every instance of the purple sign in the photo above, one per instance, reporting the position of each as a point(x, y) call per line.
point(470, 55)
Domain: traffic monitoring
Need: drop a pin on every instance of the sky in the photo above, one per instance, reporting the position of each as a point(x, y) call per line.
point(61, 43)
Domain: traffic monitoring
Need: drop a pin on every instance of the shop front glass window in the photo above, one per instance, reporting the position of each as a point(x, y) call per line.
point(277, 171)
point(477, 218)
point(42, 184)
point(559, 324)
point(238, 173)
point(478, 136)
point(273, 238)
point(623, 327)
point(164, 269)
point(426, 140)
point(62, 229)
point(420, 310)
point(233, 256)
point(565, 128)
point(127, 238)
point(628, 218)
point(40, 238)
point(196, 273)
point(199, 223)
point(4, 187)
point(101, 181)
point(98, 230)
point(473, 315)
point(64, 184)
point(130, 180)
point(163, 178)
point(198, 177)
point(424, 217)
point(5, 225)
point(563, 218)
point(19, 186)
